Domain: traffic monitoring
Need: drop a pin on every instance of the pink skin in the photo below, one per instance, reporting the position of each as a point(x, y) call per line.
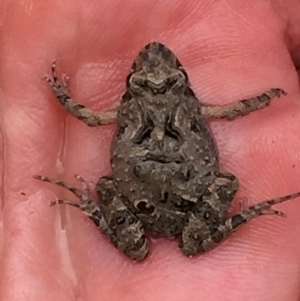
point(231, 50)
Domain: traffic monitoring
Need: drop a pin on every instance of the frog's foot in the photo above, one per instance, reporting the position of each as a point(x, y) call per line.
point(85, 204)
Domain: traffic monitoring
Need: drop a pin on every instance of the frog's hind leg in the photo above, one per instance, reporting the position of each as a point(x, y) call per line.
point(208, 214)
point(211, 237)
point(112, 218)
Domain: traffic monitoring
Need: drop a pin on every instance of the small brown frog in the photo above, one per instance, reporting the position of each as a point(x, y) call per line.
point(165, 169)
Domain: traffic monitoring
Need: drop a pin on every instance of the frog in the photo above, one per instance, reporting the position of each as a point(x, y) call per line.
point(165, 172)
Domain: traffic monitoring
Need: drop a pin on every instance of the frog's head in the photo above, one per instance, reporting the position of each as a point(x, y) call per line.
point(157, 73)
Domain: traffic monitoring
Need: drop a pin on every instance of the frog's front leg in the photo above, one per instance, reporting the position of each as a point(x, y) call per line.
point(88, 116)
point(242, 107)
point(111, 216)
point(207, 226)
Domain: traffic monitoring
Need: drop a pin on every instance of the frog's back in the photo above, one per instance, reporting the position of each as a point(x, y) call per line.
point(163, 154)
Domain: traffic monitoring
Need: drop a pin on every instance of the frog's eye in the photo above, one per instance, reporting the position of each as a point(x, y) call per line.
point(171, 81)
point(136, 81)
point(143, 83)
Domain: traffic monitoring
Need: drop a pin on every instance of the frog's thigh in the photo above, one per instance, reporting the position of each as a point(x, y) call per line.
point(127, 230)
point(201, 231)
